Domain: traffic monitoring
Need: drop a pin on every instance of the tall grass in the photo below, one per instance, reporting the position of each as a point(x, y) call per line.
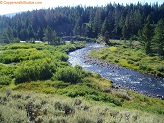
point(49, 73)
point(132, 58)
point(42, 108)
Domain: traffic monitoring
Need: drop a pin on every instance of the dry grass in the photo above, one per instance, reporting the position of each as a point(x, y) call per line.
point(26, 107)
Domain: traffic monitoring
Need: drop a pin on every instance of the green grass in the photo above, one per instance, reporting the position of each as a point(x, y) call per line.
point(113, 49)
point(27, 106)
point(48, 80)
point(97, 90)
point(133, 58)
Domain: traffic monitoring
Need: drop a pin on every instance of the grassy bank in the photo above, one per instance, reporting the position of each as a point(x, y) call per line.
point(26, 107)
point(133, 58)
point(36, 81)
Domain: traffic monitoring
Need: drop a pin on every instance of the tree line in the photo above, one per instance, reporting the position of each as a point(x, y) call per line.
point(120, 21)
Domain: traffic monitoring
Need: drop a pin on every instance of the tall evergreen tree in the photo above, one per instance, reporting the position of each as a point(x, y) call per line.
point(49, 36)
point(105, 26)
point(97, 23)
point(159, 37)
point(9, 33)
point(124, 32)
point(66, 20)
point(4, 38)
point(137, 21)
point(77, 28)
point(146, 36)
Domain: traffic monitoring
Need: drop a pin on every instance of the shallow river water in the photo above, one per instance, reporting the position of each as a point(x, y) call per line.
point(143, 83)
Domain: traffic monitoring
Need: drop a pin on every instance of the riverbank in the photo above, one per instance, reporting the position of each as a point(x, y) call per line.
point(132, 58)
point(120, 76)
point(46, 71)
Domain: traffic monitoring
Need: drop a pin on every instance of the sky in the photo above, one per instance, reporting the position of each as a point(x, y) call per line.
point(8, 6)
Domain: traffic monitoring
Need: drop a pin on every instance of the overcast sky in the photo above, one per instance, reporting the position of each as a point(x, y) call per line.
point(6, 8)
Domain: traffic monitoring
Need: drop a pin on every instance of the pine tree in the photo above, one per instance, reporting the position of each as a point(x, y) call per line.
point(50, 36)
point(105, 26)
point(146, 36)
point(77, 28)
point(9, 33)
point(4, 38)
point(97, 23)
point(137, 18)
point(124, 32)
point(159, 37)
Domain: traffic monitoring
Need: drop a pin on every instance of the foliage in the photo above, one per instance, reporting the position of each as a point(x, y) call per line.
point(5, 80)
point(25, 62)
point(113, 49)
point(99, 90)
point(51, 74)
point(159, 37)
point(34, 70)
point(121, 21)
point(146, 36)
point(132, 58)
point(50, 37)
point(89, 93)
point(69, 74)
point(9, 56)
point(35, 107)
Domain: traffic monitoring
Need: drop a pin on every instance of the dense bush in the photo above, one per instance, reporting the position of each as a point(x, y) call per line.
point(9, 56)
point(30, 62)
point(5, 80)
point(89, 93)
point(60, 56)
point(69, 74)
point(34, 70)
point(160, 68)
point(143, 66)
point(7, 70)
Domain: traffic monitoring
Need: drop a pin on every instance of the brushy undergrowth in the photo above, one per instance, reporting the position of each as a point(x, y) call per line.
point(97, 89)
point(133, 58)
point(26, 107)
point(51, 74)
point(24, 62)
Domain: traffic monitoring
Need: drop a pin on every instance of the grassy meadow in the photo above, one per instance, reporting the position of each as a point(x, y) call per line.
point(25, 106)
point(38, 85)
point(130, 54)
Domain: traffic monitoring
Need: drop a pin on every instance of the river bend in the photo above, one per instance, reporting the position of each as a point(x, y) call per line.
point(143, 83)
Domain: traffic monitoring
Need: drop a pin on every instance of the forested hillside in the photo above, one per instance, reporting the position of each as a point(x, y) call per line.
point(121, 21)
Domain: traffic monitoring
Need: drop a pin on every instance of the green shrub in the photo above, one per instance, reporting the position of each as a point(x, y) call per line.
point(5, 80)
point(160, 68)
point(7, 70)
point(82, 119)
point(89, 93)
point(34, 70)
point(116, 60)
point(104, 56)
point(113, 49)
point(69, 74)
point(9, 56)
point(143, 66)
point(130, 62)
point(61, 56)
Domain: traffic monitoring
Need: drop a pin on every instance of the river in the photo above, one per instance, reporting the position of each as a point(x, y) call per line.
point(120, 76)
